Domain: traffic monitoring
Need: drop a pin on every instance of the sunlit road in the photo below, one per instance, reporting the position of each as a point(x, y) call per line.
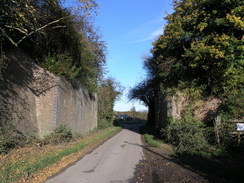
point(114, 161)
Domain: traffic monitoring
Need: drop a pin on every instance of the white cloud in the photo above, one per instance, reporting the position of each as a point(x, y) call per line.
point(155, 21)
point(151, 37)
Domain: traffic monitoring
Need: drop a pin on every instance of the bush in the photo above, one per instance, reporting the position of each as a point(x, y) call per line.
point(227, 139)
point(103, 123)
point(6, 143)
point(9, 137)
point(187, 136)
point(60, 135)
point(209, 134)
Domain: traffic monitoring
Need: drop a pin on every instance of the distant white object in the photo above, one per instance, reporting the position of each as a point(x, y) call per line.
point(240, 126)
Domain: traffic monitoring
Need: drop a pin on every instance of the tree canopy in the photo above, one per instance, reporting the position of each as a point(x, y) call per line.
point(203, 44)
point(108, 92)
point(201, 47)
point(58, 38)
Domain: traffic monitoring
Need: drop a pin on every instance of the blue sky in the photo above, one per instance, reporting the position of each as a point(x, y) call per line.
point(129, 27)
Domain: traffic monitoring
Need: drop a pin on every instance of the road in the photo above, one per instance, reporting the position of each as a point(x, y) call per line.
point(114, 161)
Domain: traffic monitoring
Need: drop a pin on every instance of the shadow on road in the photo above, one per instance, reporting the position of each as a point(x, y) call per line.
point(132, 125)
point(217, 170)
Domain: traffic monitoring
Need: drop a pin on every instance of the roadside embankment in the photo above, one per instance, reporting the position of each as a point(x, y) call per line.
point(35, 164)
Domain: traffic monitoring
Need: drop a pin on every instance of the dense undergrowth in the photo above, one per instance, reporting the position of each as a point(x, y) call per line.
point(192, 138)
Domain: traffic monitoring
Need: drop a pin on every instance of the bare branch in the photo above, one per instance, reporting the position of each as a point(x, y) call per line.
point(59, 27)
point(9, 38)
point(50, 23)
point(32, 32)
point(24, 31)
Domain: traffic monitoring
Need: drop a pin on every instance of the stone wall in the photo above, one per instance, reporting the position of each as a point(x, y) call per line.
point(36, 101)
point(161, 110)
point(175, 106)
point(75, 105)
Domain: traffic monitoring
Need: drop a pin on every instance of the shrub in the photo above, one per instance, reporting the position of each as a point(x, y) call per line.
point(9, 137)
point(60, 135)
point(187, 136)
point(103, 123)
point(209, 134)
point(227, 139)
point(6, 143)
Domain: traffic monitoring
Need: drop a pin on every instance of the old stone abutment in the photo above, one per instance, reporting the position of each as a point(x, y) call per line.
point(36, 101)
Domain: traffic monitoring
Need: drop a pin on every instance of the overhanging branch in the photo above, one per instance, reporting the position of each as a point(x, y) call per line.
point(24, 31)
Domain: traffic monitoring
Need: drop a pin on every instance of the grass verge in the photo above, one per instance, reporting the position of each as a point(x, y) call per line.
point(35, 164)
point(208, 153)
point(151, 141)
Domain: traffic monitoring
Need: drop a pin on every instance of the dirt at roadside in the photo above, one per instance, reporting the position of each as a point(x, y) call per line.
point(161, 165)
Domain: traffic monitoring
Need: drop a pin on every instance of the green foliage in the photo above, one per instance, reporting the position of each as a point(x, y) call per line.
point(9, 137)
point(227, 140)
point(151, 141)
point(186, 136)
point(61, 65)
point(233, 105)
point(62, 134)
point(202, 43)
point(200, 54)
point(108, 92)
point(62, 40)
point(103, 123)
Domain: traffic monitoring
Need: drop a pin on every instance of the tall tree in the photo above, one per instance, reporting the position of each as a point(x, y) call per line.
point(108, 92)
point(145, 92)
point(201, 47)
point(202, 43)
point(58, 38)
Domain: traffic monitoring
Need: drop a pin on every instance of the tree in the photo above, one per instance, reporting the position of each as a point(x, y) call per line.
point(59, 39)
point(24, 16)
point(201, 49)
point(108, 92)
point(145, 92)
point(201, 44)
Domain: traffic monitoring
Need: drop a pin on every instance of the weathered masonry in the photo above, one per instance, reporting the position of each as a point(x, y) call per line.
point(174, 106)
point(36, 101)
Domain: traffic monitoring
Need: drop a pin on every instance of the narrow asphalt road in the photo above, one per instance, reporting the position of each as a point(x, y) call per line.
point(112, 162)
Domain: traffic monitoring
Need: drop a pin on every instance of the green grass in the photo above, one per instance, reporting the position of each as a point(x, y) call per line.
point(151, 141)
point(14, 171)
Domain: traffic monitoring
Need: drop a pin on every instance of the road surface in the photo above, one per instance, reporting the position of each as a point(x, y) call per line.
point(112, 162)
